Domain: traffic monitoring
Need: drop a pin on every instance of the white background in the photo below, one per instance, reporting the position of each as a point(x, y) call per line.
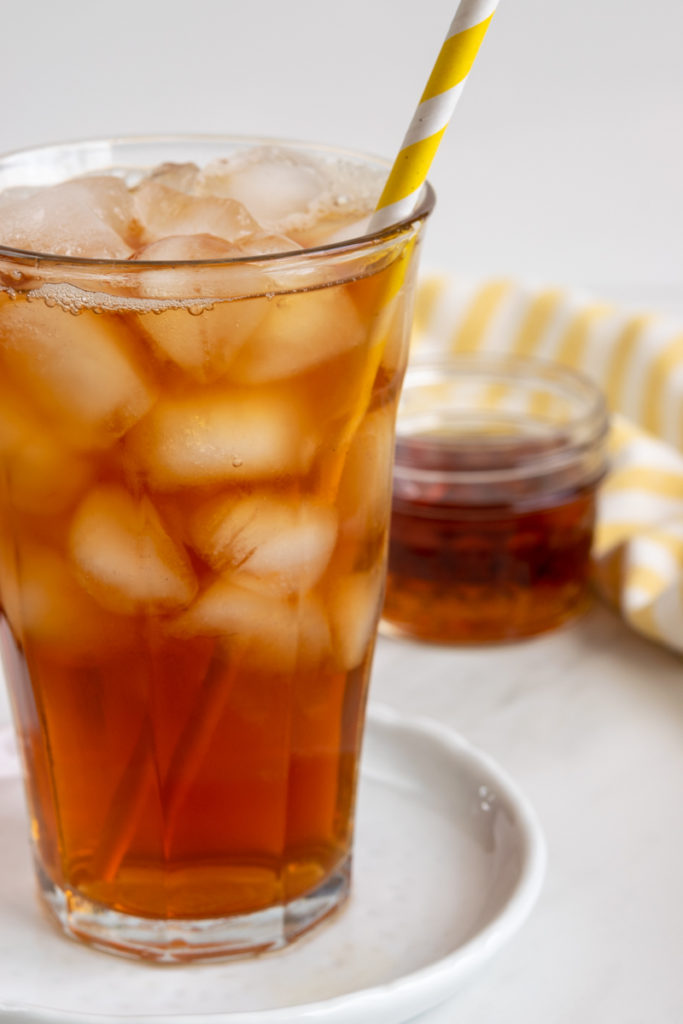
point(564, 162)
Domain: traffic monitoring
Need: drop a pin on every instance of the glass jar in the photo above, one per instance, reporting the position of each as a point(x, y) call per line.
point(498, 459)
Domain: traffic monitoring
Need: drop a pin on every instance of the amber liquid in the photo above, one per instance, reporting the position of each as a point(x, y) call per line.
point(180, 765)
point(464, 569)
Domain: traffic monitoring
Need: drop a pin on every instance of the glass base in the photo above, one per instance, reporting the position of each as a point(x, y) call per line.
point(175, 941)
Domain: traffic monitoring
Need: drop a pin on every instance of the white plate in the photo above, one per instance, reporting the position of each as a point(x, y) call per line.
point(449, 861)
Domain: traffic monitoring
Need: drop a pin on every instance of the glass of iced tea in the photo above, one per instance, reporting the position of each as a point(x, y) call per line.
point(201, 349)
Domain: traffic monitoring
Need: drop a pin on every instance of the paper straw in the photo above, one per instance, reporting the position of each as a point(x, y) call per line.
point(430, 120)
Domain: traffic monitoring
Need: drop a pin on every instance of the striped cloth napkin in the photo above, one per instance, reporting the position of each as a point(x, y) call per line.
point(637, 360)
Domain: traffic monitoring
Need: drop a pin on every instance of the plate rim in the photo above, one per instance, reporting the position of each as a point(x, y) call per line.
point(428, 985)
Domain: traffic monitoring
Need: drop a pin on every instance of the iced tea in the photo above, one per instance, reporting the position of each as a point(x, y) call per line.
point(195, 471)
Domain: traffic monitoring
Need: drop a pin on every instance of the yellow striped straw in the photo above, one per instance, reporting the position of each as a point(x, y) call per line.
point(430, 120)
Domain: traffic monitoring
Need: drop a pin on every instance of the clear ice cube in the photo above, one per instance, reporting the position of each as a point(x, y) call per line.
point(43, 476)
point(181, 177)
point(220, 436)
point(185, 282)
point(202, 342)
point(82, 369)
point(109, 198)
point(355, 606)
point(263, 631)
point(301, 331)
point(363, 497)
point(124, 556)
point(86, 217)
point(266, 244)
point(274, 184)
point(50, 608)
point(164, 211)
point(283, 545)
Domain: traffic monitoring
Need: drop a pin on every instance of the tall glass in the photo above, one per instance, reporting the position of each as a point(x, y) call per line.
point(195, 475)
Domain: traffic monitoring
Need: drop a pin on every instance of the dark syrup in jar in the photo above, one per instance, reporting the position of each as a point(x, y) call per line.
point(490, 539)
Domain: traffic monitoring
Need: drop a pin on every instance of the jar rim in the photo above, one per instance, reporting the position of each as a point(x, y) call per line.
point(428, 435)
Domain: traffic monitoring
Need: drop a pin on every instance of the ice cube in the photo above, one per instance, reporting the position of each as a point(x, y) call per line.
point(220, 435)
point(342, 208)
point(190, 282)
point(165, 211)
point(51, 609)
point(355, 605)
point(207, 282)
point(109, 198)
point(43, 475)
point(301, 331)
point(395, 322)
point(274, 184)
point(89, 217)
point(82, 369)
point(284, 545)
point(204, 345)
point(202, 342)
point(331, 231)
point(363, 497)
point(125, 558)
point(181, 177)
point(266, 244)
point(263, 631)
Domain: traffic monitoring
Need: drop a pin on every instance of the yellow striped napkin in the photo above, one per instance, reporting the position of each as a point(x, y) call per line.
point(637, 360)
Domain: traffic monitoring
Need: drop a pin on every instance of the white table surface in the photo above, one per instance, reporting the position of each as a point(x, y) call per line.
point(589, 722)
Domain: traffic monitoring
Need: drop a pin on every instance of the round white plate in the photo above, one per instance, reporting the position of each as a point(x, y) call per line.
point(449, 861)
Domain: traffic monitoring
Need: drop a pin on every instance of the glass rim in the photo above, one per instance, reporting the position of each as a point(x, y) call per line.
point(423, 208)
point(569, 441)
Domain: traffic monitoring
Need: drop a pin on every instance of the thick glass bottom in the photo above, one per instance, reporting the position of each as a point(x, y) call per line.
point(168, 941)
